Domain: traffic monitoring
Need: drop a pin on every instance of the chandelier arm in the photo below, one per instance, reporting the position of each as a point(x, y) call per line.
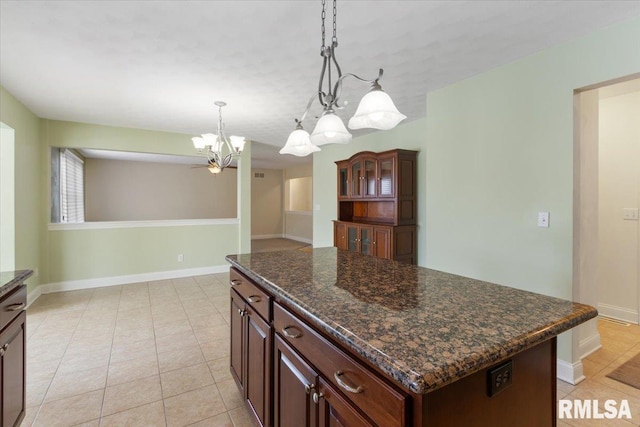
point(306, 110)
point(338, 86)
point(321, 94)
point(380, 72)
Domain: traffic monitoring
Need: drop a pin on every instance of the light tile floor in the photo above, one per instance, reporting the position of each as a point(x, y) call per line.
point(156, 354)
point(145, 354)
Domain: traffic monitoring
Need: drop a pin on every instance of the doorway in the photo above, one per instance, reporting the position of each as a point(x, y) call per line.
point(7, 198)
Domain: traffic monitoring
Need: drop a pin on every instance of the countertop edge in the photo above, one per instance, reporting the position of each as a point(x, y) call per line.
point(19, 276)
point(439, 376)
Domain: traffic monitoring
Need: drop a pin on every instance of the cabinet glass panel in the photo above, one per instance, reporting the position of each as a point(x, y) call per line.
point(386, 177)
point(370, 177)
point(343, 181)
point(356, 178)
point(352, 236)
point(365, 241)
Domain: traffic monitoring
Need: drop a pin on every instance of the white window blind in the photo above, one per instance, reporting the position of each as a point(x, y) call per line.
point(71, 187)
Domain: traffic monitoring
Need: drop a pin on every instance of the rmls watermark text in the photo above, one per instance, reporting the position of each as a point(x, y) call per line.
point(593, 409)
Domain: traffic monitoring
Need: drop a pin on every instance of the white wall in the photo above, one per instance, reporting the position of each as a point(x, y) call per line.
point(121, 190)
point(298, 216)
point(619, 188)
point(7, 199)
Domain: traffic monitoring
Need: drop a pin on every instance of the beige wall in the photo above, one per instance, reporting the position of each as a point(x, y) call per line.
point(266, 203)
point(298, 225)
point(619, 188)
point(121, 190)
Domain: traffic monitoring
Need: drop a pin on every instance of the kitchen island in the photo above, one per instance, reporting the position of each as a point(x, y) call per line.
point(331, 337)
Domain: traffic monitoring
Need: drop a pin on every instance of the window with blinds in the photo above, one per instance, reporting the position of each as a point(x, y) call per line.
point(71, 187)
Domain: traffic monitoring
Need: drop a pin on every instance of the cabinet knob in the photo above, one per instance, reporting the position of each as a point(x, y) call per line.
point(317, 397)
point(242, 312)
point(3, 349)
point(309, 387)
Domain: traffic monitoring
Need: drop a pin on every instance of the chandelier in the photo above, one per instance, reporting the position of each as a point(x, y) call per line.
point(375, 111)
point(219, 149)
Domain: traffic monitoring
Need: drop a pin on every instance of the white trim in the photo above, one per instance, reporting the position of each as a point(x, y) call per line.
point(267, 236)
point(569, 372)
point(619, 313)
point(298, 239)
point(34, 295)
point(306, 213)
point(73, 285)
point(589, 345)
point(102, 225)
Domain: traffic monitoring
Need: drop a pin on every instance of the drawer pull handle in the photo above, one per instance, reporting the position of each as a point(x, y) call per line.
point(254, 298)
point(234, 282)
point(15, 307)
point(347, 387)
point(288, 334)
point(317, 397)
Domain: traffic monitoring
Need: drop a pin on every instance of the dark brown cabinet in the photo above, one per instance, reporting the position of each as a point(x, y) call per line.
point(13, 351)
point(251, 347)
point(335, 411)
point(377, 194)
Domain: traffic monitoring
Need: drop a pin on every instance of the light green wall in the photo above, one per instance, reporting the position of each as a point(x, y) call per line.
point(28, 201)
point(88, 254)
point(409, 136)
point(500, 149)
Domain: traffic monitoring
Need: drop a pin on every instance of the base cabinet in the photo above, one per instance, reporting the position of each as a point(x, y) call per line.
point(335, 411)
point(382, 241)
point(12, 371)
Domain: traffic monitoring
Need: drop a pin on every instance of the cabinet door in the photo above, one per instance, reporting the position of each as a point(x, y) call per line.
point(258, 359)
point(340, 236)
point(335, 411)
point(366, 240)
point(382, 242)
point(356, 179)
point(370, 178)
point(353, 236)
point(12, 372)
point(294, 382)
point(343, 181)
point(237, 340)
point(386, 172)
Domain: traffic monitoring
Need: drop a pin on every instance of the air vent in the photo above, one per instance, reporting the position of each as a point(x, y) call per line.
point(258, 175)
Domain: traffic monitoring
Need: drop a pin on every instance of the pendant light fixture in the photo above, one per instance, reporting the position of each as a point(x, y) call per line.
point(375, 111)
point(219, 149)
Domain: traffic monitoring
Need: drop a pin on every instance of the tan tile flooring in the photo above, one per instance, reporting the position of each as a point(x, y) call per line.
point(156, 354)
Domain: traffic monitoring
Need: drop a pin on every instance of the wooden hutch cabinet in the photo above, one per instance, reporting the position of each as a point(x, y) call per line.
point(377, 205)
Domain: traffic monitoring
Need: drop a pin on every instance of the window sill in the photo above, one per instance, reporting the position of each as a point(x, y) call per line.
point(103, 225)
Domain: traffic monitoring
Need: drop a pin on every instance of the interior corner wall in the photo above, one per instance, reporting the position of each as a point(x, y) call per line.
point(298, 225)
point(500, 150)
point(619, 188)
point(267, 203)
point(29, 242)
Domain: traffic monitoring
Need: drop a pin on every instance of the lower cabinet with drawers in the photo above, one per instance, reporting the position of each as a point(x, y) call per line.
point(292, 376)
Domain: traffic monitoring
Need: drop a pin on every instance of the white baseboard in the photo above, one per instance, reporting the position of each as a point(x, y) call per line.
point(589, 345)
point(298, 239)
point(267, 236)
point(72, 285)
point(569, 372)
point(619, 313)
point(34, 295)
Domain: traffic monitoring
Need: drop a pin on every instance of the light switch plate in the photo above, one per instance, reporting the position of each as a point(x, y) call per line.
point(543, 219)
point(630, 214)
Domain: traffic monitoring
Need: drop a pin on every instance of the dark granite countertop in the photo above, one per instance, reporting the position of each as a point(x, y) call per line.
point(11, 279)
point(422, 327)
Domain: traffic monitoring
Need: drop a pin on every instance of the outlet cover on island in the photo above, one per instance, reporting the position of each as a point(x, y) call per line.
point(543, 219)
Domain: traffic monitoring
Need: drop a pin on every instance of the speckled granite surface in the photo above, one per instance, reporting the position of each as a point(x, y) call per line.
point(10, 279)
point(424, 328)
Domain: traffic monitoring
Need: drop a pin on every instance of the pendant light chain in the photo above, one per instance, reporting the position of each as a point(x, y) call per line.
point(335, 38)
point(323, 17)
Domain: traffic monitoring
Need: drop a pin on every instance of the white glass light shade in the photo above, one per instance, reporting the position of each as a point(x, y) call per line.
point(198, 142)
point(376, 111)
point(237, 142)
point(299, 144)
point(330, 130)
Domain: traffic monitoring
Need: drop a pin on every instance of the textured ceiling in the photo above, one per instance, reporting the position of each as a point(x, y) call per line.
point(160, 65)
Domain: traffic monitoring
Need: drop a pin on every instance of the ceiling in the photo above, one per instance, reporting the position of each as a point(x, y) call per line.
point(161, 65)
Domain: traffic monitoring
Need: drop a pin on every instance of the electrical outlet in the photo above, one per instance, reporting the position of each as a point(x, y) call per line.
point(543, 219)
point(499, 378)
point(180, 257)
point(630, 214)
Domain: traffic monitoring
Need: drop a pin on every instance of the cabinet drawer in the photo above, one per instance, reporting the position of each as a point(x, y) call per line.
point(383, 404)
point(255, 297)
point(12, 305)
